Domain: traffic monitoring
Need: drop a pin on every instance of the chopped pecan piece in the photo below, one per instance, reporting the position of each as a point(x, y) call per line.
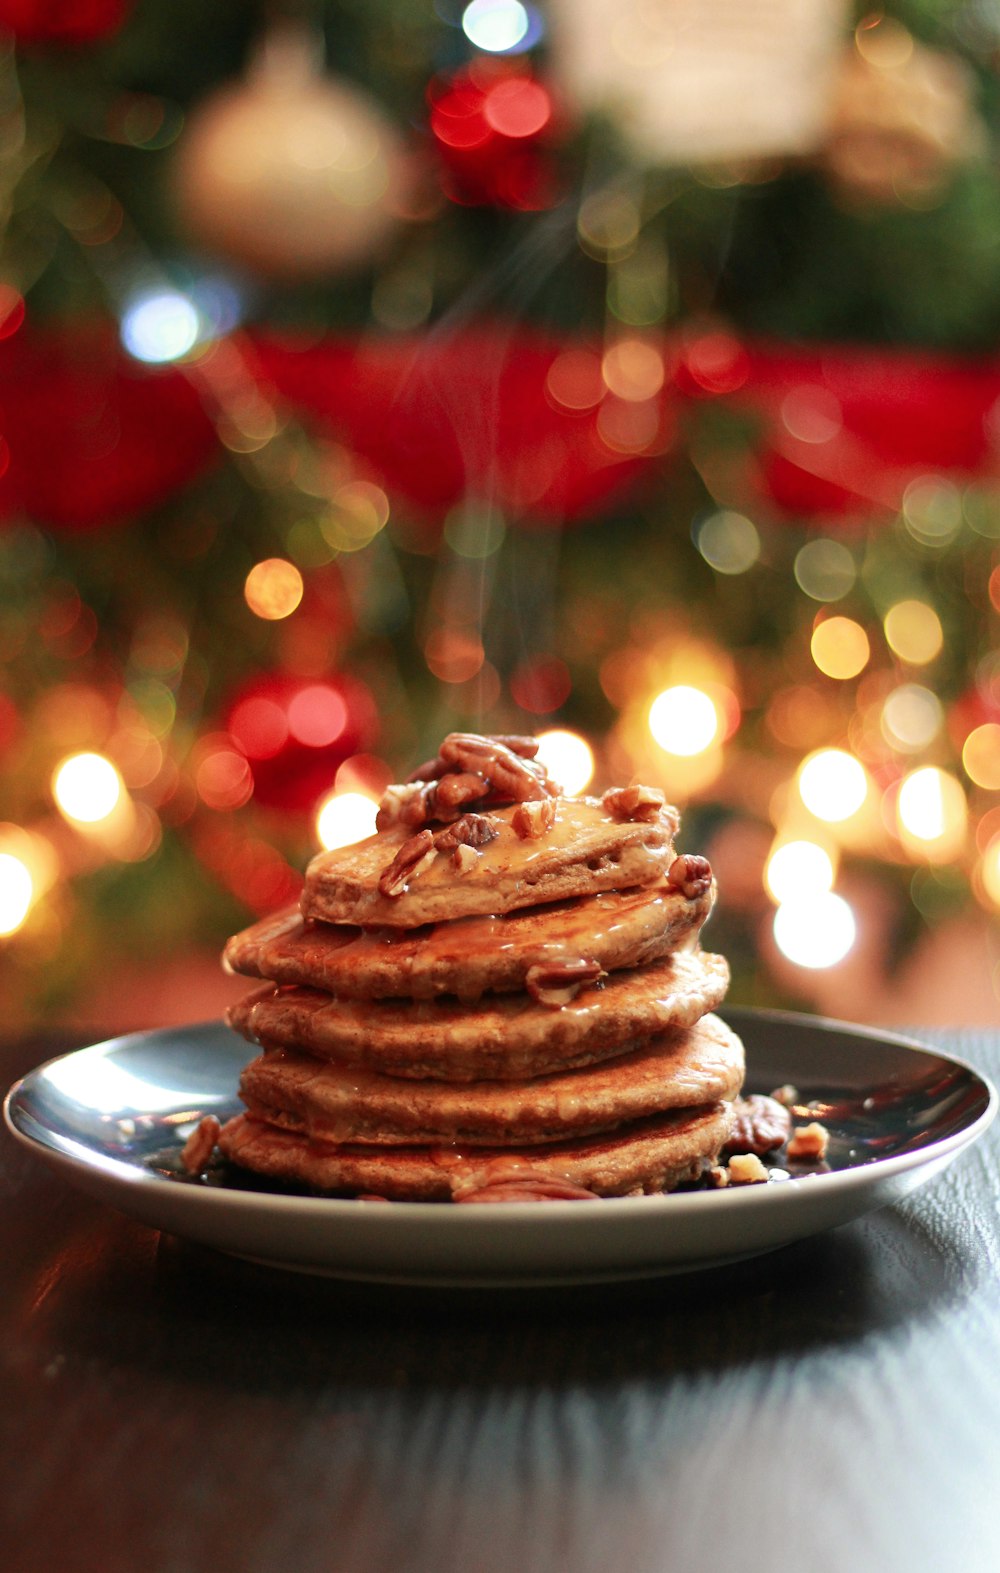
point(746, 1169)
point(559, 982)
point(528, 1187)
point(690, 874)
point(430, 770)
point(634, 802)
point(464, 857)
point(761, 1125)
point(531, 820)
point(472, 830)
point(809, 1141)
point(400, 803)
point(200, 1144)
point(509, 775)
point(416, 854)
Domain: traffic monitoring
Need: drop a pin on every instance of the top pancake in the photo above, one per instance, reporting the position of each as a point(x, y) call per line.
point(473, 955)
point(586, 850)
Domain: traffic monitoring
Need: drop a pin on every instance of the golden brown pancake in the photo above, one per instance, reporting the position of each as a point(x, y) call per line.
point(469, 956)
point(336, 1103)
point(587, 849)
point(502, 1037)
point(644, 1156)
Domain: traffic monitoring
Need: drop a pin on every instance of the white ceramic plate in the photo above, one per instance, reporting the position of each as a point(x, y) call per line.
point(112, 1119)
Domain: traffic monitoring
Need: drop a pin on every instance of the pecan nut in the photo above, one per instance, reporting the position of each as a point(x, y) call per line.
point(531, 820)
point(556, 983)
point(200, 1144)
point(403, 803)
point(509, 775)
point(809, 1142)
point(416, 853)
point(452, 795)
point(634, 802)
point(761, 1126)
point(472, 830)
point(690, 874)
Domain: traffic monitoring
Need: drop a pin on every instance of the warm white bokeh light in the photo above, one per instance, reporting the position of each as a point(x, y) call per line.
point(345, 818)
point(684, 720)
point(87, 788)
point(832, 784)
point(17, 889)
point(815, 931)
point(797, 869)
point(931, 810)
point(569, 760)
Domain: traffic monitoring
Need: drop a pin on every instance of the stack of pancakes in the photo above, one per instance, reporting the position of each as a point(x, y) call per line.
point(500, 993)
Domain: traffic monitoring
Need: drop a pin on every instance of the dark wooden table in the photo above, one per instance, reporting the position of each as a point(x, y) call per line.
point(832, 1406)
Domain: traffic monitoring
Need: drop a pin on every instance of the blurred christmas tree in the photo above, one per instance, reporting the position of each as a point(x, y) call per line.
point(621, 368)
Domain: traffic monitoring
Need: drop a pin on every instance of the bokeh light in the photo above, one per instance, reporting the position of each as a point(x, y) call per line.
point(912, 716)
point(932, 510)
point(816, 930)
point(87, 788)
point(273, 589)
point(568, 758)
point(728, 541)
point(913, 631)
point(832, 784)
point(989, 871)
point(932, 813)
point(633, 370)
point(17, 889)
point(317, 715)
point(344, 818)
point(497, 26)
point(797, 869)
point(160, 327)
point(840, 647)
point(683, 720)
point(825, 570)
point(981, 756)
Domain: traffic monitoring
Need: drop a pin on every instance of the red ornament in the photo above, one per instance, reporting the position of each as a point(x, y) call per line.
point(493, 130)
point(295, 732)
point(63, 22)
point(88, 438)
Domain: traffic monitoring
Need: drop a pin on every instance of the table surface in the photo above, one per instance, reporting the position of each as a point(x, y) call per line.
point(833, 1405)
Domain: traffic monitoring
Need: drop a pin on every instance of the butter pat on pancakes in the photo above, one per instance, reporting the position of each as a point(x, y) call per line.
point(500, 995)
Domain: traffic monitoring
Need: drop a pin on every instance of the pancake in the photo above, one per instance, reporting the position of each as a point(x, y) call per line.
point(645, 1156)
point(469, 956)
point(335, 1103)
point(503, 1037)
point(585, 849)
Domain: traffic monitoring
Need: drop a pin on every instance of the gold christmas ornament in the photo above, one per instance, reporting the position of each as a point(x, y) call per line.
point(289, 173)
point(901, 117)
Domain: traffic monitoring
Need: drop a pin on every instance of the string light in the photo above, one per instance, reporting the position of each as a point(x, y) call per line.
point(815, 931)
point(17, 890)
point(832, 784)
point(932, 813)
point(568, 758)
point(273, 589)
point(87, 788)
point(500, 26)
point(797, 869)
point(160, 327)
point(683, 720)
point(344, 818)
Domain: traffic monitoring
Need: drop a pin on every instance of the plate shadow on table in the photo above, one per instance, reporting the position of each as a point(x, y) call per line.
point(127, 1295)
